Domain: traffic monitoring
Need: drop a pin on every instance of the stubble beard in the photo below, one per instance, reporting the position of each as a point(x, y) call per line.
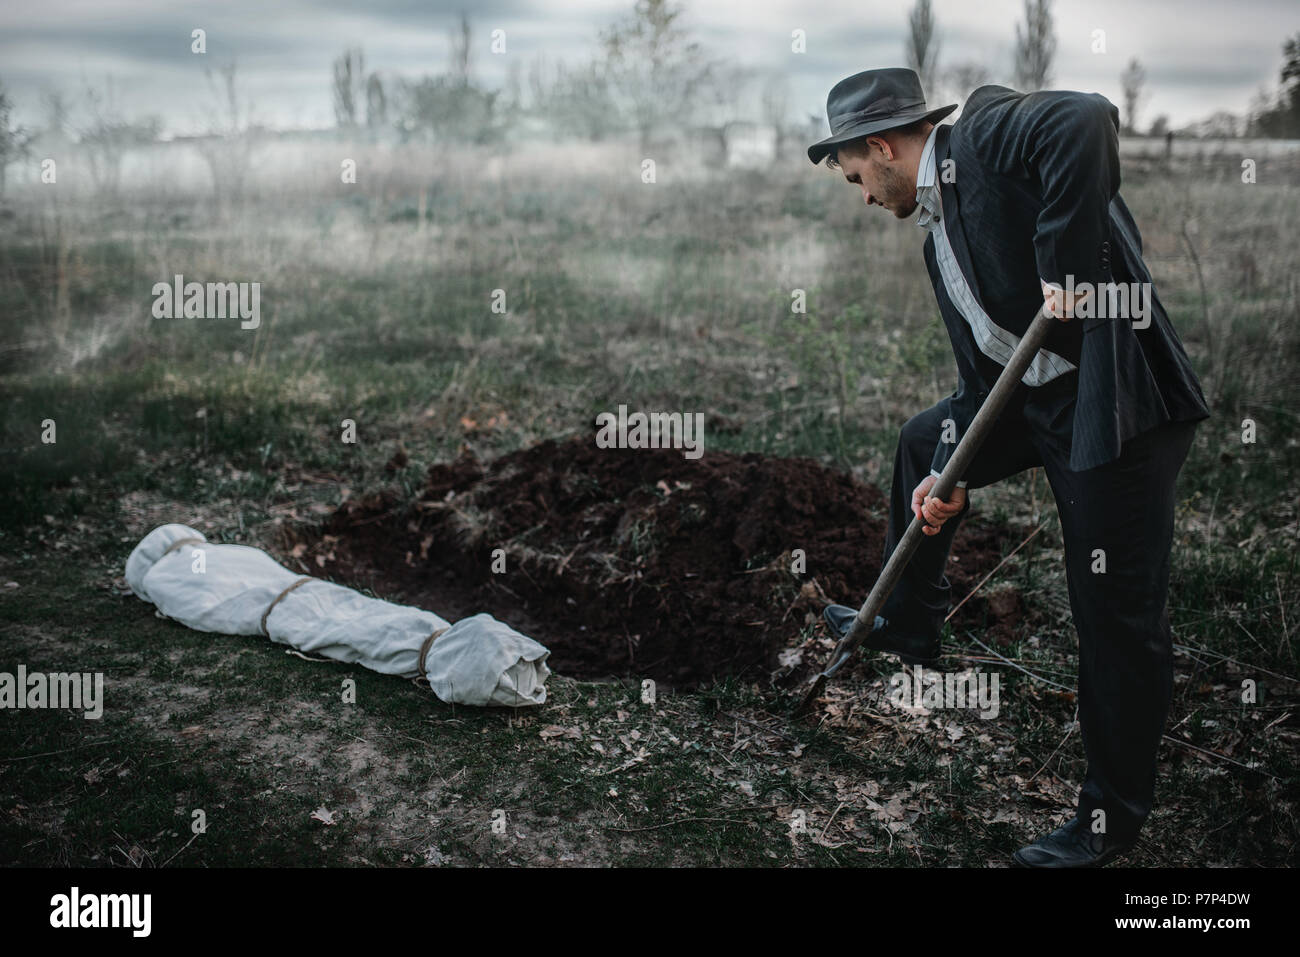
point(901, 195)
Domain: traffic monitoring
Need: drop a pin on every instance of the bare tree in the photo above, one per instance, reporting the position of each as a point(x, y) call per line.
point(108, 135)
point(1131, 82)
point(376, 103)
point(14, 140)
point(451, 106)
point(349, 87)
point(228, 148)
point(656, 71)
point(1035, 46)
point(574, 100)
point(460, 39)
point(775, 107)
point(923, 45)
point(56, 113)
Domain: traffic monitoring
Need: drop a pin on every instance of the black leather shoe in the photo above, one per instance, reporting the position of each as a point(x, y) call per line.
point(1072, 845)
point(912, 647)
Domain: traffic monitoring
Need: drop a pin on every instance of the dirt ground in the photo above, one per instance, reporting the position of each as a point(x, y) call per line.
point(639, 562)
point(263, 743)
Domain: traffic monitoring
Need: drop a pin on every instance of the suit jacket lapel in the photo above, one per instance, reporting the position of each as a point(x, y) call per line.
point(952, 212)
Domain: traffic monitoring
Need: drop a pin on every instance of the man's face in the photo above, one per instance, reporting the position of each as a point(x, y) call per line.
point(876, 169)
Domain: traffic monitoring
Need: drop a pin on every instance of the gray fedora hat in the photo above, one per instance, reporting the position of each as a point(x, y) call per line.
point(872, 101)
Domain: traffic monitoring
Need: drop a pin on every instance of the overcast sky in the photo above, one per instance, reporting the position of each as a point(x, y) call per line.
point(1200, 55)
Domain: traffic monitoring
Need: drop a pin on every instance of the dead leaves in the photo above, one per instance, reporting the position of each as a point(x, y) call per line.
point(553, 731)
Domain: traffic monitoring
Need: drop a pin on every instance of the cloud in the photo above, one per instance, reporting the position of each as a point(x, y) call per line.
point(1199, 56)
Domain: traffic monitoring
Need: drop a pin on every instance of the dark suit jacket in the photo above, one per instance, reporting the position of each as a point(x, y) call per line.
point(1035, 194)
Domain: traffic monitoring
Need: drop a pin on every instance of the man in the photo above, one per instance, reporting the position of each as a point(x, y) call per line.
point(1019, 199)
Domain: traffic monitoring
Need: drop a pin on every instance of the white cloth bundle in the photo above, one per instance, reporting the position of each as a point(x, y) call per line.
point(238, 590)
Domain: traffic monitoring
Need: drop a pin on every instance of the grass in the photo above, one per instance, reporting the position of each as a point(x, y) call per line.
point(673, 297)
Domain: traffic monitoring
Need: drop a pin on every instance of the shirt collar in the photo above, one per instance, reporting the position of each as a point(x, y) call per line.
point(927, 185)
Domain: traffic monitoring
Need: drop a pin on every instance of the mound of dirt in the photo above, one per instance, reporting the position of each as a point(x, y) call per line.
point(635, 562)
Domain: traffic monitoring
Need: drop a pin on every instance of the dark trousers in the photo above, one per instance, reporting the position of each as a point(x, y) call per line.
point(1121, 514)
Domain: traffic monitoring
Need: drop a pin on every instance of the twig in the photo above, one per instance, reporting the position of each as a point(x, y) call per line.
point(1221, 757)
point(187, 844)
point(1264, 671)
point(46, 754)
point(1073, 724)
point(996, 568)
point(1008, 661)
point(1284, 643)
point(822, 836)
point(763, 728)
point(684, 820)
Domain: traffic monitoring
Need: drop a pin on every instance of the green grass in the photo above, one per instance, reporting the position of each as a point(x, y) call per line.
point(673, 298)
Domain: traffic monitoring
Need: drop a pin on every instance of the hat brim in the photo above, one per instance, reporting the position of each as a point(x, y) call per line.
point(821, 149)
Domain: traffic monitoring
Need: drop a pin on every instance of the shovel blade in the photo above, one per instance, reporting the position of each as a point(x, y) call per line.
point(814, 692)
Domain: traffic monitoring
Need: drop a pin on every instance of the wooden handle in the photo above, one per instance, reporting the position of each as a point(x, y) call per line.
point(943, 487)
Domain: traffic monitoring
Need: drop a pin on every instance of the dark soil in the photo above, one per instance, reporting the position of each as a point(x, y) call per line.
point(639, 562)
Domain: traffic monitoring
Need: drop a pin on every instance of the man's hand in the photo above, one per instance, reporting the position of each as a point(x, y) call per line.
point(1060, 303)
point(931, 510)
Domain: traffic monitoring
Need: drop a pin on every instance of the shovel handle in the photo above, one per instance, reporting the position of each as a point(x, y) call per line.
point(943, 487)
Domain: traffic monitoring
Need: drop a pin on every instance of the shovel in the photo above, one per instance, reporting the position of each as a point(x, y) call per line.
point(943, 487)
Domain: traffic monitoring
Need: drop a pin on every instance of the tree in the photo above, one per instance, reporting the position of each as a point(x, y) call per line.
point(1131, 82)
point(452, 106)
point(349, 87)
point(461, 40)
point(922, 45)
point(442, 109)
point(1291, 59)
point(1035, 47)
point(1281, 116)
point(108, 135)
point(228, 148)
point(359, 99)
point(964, 78)
point(14, 140)
point(656, 71)
point(56, 114)
point(576, 101)
point(376, 103)
point(1221, 124)
point(775, 108)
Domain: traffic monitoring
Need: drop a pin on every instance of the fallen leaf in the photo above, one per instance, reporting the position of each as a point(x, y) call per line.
point(559, 731)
